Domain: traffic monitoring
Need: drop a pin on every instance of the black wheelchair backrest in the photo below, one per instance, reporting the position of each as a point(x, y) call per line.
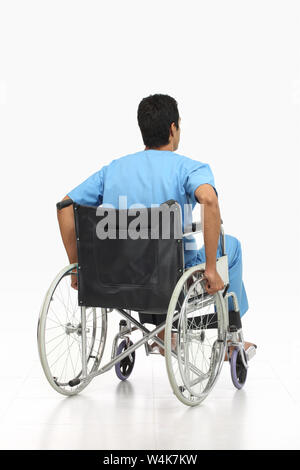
point(118, 268)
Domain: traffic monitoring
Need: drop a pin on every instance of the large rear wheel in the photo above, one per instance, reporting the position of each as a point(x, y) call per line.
point(198, 322)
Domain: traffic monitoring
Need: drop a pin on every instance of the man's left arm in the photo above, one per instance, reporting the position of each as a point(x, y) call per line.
point(200, 187)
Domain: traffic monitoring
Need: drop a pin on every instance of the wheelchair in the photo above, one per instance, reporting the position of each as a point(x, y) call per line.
point(143, 275)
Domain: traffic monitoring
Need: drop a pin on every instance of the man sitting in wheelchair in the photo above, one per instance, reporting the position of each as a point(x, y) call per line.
point(202, 290)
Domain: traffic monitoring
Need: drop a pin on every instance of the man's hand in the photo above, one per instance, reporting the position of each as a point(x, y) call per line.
point(213, 281)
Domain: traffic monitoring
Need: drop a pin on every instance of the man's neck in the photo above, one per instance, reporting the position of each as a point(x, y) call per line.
point(163, 147)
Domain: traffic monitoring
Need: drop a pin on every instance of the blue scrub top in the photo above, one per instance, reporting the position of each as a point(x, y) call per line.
point(145, 179)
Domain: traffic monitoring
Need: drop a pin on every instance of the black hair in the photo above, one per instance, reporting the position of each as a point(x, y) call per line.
point(155, 115)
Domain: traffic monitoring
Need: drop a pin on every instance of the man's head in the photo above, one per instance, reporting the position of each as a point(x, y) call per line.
point(159, 122)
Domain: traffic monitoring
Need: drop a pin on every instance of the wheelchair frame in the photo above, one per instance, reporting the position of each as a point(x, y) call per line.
point(234, 335)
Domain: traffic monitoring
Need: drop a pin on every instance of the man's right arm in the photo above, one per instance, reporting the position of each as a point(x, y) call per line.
point(66, 223)
point(211, 220)
point(90, 193)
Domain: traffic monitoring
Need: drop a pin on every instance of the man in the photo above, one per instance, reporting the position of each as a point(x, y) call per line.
point(155, 175)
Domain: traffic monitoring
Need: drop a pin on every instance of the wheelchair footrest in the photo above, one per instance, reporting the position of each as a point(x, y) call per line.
point(250, 352)
point(152, 349)
point(155, 352)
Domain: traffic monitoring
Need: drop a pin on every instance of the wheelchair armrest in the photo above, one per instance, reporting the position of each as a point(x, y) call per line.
point(194, 227)
point(65, 203)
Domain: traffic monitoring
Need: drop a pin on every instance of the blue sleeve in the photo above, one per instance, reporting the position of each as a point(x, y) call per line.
point(90, 191)
point(197, 173)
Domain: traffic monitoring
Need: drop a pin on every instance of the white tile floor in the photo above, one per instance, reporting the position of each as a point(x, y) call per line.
point(142, 413)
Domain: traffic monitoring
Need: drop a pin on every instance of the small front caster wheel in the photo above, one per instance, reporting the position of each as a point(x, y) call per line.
point(238, 370)
point(124, 367)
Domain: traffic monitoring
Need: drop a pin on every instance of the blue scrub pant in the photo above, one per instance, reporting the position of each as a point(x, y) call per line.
point(234, 252)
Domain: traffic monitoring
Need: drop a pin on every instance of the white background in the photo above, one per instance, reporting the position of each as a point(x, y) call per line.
point(72, 74)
